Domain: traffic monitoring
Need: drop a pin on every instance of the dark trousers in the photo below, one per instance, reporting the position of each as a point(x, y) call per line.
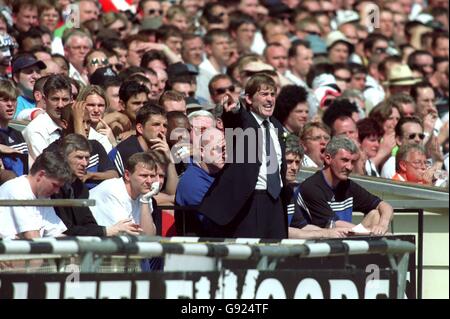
point(261, 217)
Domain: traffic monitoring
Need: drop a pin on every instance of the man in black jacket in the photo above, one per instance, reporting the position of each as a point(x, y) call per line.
point(244, 200)
point(79, 220)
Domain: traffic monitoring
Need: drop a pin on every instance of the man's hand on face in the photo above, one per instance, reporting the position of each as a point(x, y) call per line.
point(160, 144)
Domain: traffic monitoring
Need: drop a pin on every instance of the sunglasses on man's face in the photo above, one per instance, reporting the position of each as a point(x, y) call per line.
point(412, 136)
point(230, 88)
point(380, 50)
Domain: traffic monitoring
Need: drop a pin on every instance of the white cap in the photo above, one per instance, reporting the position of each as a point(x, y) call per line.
point(345, 16)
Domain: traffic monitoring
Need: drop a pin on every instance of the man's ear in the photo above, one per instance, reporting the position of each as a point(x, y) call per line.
point(248, 100)
point(122, 105)
point(139, 128)
point(327, 159)
point(40, 174)
point(126, 175)
point(38, 96)
point(208, 49)
point(402, 166)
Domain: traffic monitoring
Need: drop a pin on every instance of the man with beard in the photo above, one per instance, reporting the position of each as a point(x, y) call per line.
point(329, 197)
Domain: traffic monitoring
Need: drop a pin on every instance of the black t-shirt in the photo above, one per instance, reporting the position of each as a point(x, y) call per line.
point(321, 203)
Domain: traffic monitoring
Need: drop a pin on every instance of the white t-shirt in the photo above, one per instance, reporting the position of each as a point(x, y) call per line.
point(113, 204)
point(388, 170)
point(16, 219)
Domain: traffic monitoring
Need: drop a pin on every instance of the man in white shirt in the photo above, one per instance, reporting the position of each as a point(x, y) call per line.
point(217, 48)
point(129, 197)
point(48, 173)
point(300, 61)
point(47, 127)
point(76, 47)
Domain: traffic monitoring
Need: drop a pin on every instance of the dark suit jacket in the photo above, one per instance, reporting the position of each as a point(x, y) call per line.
point(237, 181)
point(78, 220)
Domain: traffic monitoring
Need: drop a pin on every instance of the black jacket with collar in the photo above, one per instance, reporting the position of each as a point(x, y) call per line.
point(236, 183)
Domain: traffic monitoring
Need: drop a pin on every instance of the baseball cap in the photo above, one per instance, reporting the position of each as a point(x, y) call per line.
point(25, 61)
point(101, 75)
point(180, 69)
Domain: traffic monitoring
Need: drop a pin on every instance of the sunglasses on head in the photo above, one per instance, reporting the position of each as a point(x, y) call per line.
point(413, 136)
point(153, 11)
point(224, 90)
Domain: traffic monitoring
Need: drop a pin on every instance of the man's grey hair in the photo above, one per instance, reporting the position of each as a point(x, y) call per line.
point(340, 143)
point(293, 146)
point(198, 113)
point(404, 150)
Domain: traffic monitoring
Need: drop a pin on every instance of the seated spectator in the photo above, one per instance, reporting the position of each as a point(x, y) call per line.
point(219, 86)
point(79, 220)
point(298, 225)
point(173, 101)
point(151, 128)
point(129, 197)
point(291, 108)
point(412, 166)
point(133, 96)
point(196, 180)
point(47, 175)
point(179, 139)
point(369, 139)
point(329, 196)
point(47, 127)
point(26, 70)
point(13, 149)
point(95, 102)
point(314, 137)
point(76, 119)
point(408, 130)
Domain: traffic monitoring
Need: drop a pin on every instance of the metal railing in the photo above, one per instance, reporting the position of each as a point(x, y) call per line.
point(93, 249)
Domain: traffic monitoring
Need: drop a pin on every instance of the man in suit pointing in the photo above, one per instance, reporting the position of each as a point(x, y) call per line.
point(244, 200)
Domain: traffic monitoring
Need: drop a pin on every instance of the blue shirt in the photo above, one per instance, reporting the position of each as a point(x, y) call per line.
point(23, 103)
point(193, 185)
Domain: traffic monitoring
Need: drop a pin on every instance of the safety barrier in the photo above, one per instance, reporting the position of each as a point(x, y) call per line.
point(268, 255)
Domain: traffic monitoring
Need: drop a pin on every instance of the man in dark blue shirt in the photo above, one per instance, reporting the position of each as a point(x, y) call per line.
point(14, 150)
point(330, 197)
point(196, 180)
